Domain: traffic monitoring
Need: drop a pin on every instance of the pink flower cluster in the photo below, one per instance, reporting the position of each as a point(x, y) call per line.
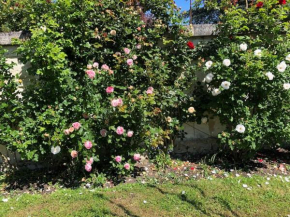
point(130, 133)
point(120, 130)
point(105, 67)
point(95, 65)
point(88, 166)
point(75, 126)
point(150, 90)
point(91, 73)
point(88, 145)
point(127, 166)
point(110, 89)
point(127, 50)
point(137, 157)
point(117, 102)
point(130, 62)
point(118, 159)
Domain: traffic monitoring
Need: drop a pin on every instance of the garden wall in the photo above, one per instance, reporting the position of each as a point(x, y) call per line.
point(200, 138)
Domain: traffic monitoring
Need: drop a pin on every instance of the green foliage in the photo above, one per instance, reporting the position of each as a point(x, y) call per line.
point(254, 99)
point(20, 15)
point(9, 100)
point(65, 43)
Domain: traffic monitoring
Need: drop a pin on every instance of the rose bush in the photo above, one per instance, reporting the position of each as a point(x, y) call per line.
point(109, 83)
point(16, 15)
point(247, 75)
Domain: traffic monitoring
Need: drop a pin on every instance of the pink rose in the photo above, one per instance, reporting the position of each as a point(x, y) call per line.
point(150, 90)
point(130, 133)
point(120, 102)
point(137, 157)
point(127, 50)
point(90, 161)
point(111, 72)
point(66, 131)
point(138, 46)
point(96, 65)
point(103, 132)
point(88, 167)
point(118, 159)
point(127, 166)
point(110, 89)
point(134, 57)
point(130, 62)
point(120, 130)
point(91, 74)
point(105, 67)
point(115, 102)
point(74, 154)
point(76, 125)
point(88, 144)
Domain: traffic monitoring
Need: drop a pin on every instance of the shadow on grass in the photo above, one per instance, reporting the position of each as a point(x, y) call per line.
point(196, 204)
point(122, 207)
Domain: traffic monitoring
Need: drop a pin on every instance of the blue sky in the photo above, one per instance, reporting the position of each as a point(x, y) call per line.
point(184, 4)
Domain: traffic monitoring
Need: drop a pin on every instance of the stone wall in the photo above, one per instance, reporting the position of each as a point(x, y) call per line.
point(200, 138)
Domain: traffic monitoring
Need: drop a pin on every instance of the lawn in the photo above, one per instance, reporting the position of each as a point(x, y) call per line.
point(232, 196)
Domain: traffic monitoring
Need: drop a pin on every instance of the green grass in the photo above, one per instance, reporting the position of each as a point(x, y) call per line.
point(217, 197)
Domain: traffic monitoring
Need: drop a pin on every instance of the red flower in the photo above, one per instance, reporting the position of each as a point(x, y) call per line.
point(192, 168)
point(282, 2)
point(259, 4)
point(190, 45)
point(260, 160)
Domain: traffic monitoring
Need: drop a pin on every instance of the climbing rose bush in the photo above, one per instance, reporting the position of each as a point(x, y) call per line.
point(10, 87)
point(108, 84)
point(246, 77)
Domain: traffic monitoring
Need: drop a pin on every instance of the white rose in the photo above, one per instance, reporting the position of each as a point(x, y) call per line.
point(240, 128)
point(243, 46)
point(227, 62)
point(169, 119)
point(226, 85)
point(282, 66)
point(288, 57)
point(286, 86)
point(270, 75)
point(208, 64)
point(204, 120)
point(43, 28)
point(208, 78)
point(216, 92)
point(191, 109)
point(258, 53)
point(55, 150)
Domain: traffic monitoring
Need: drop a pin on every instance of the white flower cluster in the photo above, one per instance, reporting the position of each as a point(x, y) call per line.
point(281, 67)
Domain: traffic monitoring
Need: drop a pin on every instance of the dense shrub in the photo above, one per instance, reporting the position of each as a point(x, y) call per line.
point(109, 83)
point(247, 77)
point(9, 103)
point(18, 15)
